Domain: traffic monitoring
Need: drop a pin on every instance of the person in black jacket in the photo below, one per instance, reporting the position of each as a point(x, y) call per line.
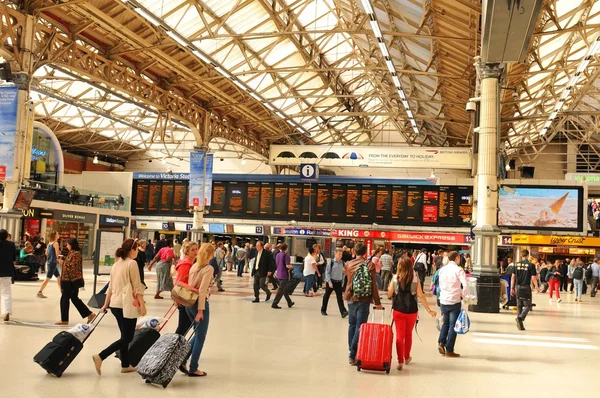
point(564, 271)
point(264, 267)
point(141, 259)
point(8, 255)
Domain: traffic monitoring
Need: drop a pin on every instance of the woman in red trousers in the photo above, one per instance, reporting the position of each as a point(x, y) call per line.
point(403, 292)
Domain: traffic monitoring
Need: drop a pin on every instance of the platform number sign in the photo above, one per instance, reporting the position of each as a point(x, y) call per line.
point(259, 230)
point(309, 172)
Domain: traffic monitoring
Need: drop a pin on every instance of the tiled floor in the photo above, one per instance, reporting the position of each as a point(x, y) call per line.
point(255, 351)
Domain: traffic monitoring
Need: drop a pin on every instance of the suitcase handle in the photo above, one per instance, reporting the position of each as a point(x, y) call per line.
point(95, 322)
point(168, 316)
point(382, 315)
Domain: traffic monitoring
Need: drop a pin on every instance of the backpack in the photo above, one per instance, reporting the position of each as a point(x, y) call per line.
point(588, 273)
point(578, 273)
point(362, 281)
point(404, 300)
point(419, 265)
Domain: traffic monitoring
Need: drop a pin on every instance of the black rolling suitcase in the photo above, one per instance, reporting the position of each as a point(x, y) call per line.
point(145, 338)
point(57, 355)
point(292, 285)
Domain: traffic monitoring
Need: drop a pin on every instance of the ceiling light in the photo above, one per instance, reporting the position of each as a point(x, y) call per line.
point(95, 161)
point(432, 174)
point(164, 161)
point(201, 55)
point(553, 115)
point(405, 103)
point(401, 94)
point(384, 49)
point(243, 161)
point(177, 38)
point(396, 80)
point(543, 132)
point(390, 65)
point(148, 16)
point(507, 167)
point(376, 30)
point(410, 114)
point(367, 6)
point(595, 47)
point(413, 122)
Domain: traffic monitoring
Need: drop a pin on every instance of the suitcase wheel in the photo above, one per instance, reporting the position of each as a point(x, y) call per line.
point(358, 368)
point(147, 381)
point(165, 385)
point(387, 371)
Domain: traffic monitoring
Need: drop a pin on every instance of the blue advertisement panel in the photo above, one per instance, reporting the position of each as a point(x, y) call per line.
point(8, 130)
point(200, 182)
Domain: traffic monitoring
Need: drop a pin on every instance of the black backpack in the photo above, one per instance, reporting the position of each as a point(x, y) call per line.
point(588, 273)
point(578, 273)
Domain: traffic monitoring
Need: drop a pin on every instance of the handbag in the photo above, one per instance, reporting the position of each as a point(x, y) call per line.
point(463, 323)
point(184, 294)
point(131, 305)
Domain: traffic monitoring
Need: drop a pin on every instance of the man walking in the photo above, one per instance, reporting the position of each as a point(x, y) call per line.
point(386, 269)
point(421, 266)
point(334, 278)
point(241, 259)
point(523, 274)
point(284, 266)
point(595, 275)
point(263, 268)
point(359, 300)
point(162, 242)
point(453, 288)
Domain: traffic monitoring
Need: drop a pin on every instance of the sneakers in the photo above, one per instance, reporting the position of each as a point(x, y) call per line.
point(550, 301)
point(41, 295)
point(559, 300)
point(352, 362)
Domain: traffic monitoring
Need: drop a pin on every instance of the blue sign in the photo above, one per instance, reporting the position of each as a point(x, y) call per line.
point(302, 231)
point(259, 229)
point(8, 130)
point(165, 226)
point(188, 227)
point(216, 228)
point(160, 176)
point(309, 172)
point(200, 179)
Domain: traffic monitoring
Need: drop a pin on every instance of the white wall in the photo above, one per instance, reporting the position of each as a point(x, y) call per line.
point(551, 164)
point(226, 166)
point(109, 182)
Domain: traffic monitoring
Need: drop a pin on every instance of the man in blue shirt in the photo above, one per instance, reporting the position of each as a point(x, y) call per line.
point(284, 265)
point(595, 275)
point(334, 277)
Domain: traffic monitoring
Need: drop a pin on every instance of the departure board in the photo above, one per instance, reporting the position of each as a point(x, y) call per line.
point(323, 208)
point(414, 203)
point(166, 196)
point(338, 200)
point(430, 205)
point(180, 197)
point(141, 197)
point(464, 210)
point(352, 202)
point(266, 199)
point(154, 191)
point(368, 202)
point(446, 210)
point(383, 203)
point(253, 199)
point(294, 208)
point(398, 205)
point(280, 202)
point(309, 201)
point(219, 195)
point(236, 193)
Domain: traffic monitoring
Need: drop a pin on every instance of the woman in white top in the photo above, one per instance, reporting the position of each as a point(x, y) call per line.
point(310, 268)
point(124, 272)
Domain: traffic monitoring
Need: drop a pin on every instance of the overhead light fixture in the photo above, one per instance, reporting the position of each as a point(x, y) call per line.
point(164, 161)
point(507, 167)
point(202, 57)
point(149, 17)
point(390, 65)
point(95, 161)
point(396, 80)
point(384, 49)
point(376, 30)
point(368, 7)
point(432, 174)
point(177, 38)
point(243, 161)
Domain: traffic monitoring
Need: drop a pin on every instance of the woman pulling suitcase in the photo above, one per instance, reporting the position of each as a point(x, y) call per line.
point(201, 276)
point(124, 281)
point(190, 252)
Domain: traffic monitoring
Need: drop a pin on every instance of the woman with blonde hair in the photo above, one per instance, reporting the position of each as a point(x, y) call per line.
point(190, 252)
point(403, 291)
point(200, 277)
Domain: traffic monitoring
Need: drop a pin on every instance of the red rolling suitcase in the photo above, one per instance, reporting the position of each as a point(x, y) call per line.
point(375, 345)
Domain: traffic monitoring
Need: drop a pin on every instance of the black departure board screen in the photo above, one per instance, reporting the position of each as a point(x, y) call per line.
point(464, 210)
point(398, 205)
point(180, 197)
point(166, 196)
point(219, 196)
point(253, 199)
point(383, 203)
point(430, 205)
point(266, 199)
point(414, 203)
point(294, 208)
point(352, 202)
point(447, 208)
point(280, 201)
point(236, 194)
point(141, 197)
point(368, 202)
point(323, 209)
point(309, 201)
point(154, 191)
point(338, 201)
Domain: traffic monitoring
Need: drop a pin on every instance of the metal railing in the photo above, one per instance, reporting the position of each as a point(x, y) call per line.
point(78, 197)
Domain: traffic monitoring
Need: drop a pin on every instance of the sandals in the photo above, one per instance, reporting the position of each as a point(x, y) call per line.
point(197, 375)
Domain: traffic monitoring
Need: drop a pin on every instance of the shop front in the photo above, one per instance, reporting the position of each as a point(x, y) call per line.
point(152, 229)
point(557, 247)
point(80, 226)
point(113, 223)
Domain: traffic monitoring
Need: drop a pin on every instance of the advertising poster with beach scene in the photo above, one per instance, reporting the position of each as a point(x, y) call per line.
point(8, 129)
point(549, 208)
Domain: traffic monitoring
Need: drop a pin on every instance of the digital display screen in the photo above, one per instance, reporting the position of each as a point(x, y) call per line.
point(352, 202)
point(463, 206)
point(236, 193)
point(338, 200)
point(541, 208)
point(323, 201)
point(398, 205)
point(154, 191)
point(141, 197)
point(383, 203)
point(24, 199)
point(368, 202)
point(218, 198)
point(294, 208)
point(180, 197)
point(266, 199)
point(309, 201)
point(430, 206)
point(446, 206)
point(414, 203)
point(253, 199)
point(280, 202)
point(166, 196)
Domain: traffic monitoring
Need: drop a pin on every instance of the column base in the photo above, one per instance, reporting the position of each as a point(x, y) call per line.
point(488, 294)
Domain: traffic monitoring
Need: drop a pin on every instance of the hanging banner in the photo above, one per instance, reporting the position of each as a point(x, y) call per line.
point(200, 182)
point(8, 130)
point(373, 156)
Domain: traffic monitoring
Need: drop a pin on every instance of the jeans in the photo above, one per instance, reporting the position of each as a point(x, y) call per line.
point(447, 334)
point(283, 291)
point(379, 281)
point(218, 279)
point(554, 286)
point(260, 283)
point(523, 301)
point(405, 323)
point(386, 275)
point(594, 286)
point(70, 292)
point(337, 288)
point(358, 313)
point(5, 295)
point(309, 283)
point(240, 267)
point(127, 328)
point(184, 322)
point(564, 283)
point(578, 287)
point(200, 330)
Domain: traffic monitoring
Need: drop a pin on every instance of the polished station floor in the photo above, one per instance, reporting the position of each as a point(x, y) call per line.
point(255, 351)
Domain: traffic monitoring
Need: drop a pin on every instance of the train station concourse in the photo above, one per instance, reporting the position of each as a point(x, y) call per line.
point(286, 198)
